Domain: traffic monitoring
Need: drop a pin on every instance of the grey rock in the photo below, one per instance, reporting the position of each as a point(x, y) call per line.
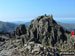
point(20, 30)
point(45, 29)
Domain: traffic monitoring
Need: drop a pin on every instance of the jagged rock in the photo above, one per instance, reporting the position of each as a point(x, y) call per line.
point(20, 30)
point(45, 30)
point(73, 38)
point(44, 37)
point(72, 41)
point(4, 36)
point(30, 49)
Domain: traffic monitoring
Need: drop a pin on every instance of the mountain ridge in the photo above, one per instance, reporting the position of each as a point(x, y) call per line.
point(6, 26)
point(11, 25)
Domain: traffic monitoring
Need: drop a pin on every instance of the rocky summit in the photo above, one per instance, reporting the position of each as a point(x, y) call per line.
point(45, 30)
point(43, 37)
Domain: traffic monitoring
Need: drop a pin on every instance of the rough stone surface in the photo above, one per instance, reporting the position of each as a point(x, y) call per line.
point(43, 37)
point(20, 30)
point(30, 49)
point(44, 29)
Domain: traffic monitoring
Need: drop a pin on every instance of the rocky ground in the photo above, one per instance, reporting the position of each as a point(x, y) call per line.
point(43, 37)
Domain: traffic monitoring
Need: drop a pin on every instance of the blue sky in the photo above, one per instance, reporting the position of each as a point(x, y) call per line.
point(26, 10)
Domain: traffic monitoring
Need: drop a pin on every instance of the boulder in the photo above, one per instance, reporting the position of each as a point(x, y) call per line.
point(4, 36)
point(20, 30)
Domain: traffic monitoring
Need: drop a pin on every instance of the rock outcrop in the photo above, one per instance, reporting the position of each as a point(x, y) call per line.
point(45, 30)
point(31, 49)
point(20, 30)
point(43, 37)
point(4, 36)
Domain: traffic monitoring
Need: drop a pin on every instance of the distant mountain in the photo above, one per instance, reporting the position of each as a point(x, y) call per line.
point(10, 26)
point(21, 22)
point(6, 26)
point(68, 26)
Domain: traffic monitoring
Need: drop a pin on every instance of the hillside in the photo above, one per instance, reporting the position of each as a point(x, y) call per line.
point(68, 26)
point(21, 22)
point(8, 27)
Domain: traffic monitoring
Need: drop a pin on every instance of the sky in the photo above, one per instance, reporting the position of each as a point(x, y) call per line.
point(26, 10)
